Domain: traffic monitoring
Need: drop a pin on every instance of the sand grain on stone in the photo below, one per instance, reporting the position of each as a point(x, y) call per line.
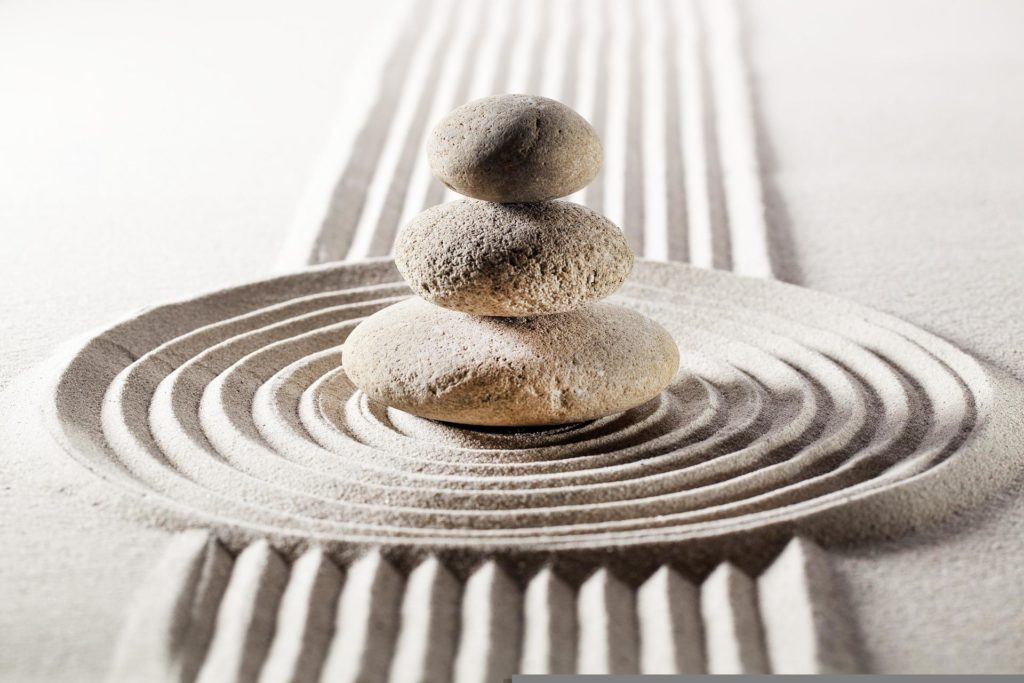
point(512, 259)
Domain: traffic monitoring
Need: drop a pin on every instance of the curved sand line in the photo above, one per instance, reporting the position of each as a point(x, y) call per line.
point(791, 410)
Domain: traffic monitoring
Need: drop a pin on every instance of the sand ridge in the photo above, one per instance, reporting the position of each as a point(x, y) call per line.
point(230, 410)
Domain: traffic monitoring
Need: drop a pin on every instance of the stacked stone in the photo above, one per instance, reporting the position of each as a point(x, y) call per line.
point(507, 329)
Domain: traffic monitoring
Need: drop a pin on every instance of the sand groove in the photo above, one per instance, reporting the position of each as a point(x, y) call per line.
point(665, 86)
point(668, 610)
point(791, 407)
point(732, 629)
point(493, 624)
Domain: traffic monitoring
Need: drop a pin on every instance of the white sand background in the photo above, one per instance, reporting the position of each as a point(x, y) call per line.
point(147, 152)
point(150, 152)
point(896, 155)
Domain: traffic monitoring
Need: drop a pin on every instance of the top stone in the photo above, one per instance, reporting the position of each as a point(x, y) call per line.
point(514, 148)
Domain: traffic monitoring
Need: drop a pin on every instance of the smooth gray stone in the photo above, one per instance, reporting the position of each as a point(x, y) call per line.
point(514, 148)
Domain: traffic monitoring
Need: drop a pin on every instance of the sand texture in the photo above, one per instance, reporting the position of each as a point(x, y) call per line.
point(370, 621)
point(889, 146)
point(664, 86)
point(791, 410)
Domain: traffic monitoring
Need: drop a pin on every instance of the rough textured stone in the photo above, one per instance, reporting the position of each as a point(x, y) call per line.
point(514, 148)
point(512, 259)
point(554, 369)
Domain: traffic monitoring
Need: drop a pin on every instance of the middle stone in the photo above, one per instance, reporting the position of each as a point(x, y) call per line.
point(493, 259)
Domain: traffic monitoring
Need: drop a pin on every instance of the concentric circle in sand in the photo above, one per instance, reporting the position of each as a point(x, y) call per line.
point(790, 408)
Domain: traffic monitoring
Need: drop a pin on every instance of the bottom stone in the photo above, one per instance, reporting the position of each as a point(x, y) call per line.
point(507, 372)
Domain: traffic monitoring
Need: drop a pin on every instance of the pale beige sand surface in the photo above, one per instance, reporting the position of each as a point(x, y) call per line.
point(146, 153)
point(205, 429)
point(791, 412)
point(149, 152)
point(895, 151)
point(891, 135)
point(893, 144)
point(63, 596)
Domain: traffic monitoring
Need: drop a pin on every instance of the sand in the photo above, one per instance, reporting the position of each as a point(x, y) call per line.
point(846, 175)
point(232, 410)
